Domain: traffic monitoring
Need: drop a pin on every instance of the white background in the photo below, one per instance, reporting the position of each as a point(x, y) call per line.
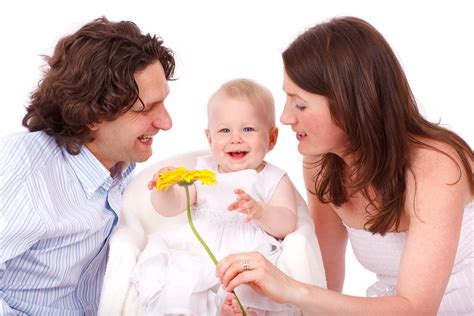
point(216, 41)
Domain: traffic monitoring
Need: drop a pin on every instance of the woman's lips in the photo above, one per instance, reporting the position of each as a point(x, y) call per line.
point(300, 136)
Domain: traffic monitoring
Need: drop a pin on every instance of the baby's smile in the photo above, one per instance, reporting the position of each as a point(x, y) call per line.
point(237, 154)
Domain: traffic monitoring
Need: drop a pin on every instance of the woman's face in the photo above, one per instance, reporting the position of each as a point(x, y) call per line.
point(310, 118)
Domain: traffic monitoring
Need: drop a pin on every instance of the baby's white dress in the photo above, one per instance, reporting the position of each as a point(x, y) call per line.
point(382, 254)
point(174, 274)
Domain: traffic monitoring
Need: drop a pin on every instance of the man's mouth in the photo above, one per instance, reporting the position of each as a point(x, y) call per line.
point(145, 139)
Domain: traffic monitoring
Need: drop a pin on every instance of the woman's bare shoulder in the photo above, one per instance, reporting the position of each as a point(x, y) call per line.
point(432, 157)
point(435, 172)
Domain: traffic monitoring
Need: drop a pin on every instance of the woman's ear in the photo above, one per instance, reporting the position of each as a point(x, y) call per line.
point(208, 136)
point(272, 137)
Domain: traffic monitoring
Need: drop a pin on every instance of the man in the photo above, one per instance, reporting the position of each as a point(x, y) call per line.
point(93, 115)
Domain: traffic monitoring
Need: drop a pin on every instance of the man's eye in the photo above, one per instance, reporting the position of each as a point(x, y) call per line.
point(248, 129)
point(140, 107)
point(141, 110)
point(224, 130)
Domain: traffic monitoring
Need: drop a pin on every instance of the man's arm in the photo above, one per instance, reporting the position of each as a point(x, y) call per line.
point(5, 309)
point(20, 228)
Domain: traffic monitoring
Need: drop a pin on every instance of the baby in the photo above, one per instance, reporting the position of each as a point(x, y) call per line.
point(252, 207)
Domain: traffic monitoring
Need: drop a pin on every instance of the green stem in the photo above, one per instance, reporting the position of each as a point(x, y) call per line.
point(203, 243)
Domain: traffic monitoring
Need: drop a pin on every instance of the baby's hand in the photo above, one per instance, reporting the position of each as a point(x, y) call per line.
point(247, 205)
point(152, 182)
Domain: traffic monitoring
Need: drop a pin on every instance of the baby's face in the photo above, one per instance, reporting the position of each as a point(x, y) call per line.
point(239, 134)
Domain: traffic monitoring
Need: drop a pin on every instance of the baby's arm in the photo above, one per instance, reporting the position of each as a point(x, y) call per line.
point(278, 217)
point(170, 202)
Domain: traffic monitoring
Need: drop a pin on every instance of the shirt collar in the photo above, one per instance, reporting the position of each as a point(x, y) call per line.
point(92, 174)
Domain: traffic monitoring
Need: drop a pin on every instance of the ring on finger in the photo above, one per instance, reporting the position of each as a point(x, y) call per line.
point(245, 265)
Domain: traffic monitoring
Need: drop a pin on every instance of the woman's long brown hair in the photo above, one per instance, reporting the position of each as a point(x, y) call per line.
point(348, 61)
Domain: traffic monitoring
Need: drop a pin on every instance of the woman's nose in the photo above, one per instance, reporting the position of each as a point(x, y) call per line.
point(162, 119)
point(287, 116)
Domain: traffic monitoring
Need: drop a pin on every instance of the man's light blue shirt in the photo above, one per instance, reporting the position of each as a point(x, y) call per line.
point(57, 212)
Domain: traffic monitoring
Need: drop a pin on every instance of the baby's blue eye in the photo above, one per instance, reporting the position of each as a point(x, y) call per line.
point(248, 129)
point(224, 130)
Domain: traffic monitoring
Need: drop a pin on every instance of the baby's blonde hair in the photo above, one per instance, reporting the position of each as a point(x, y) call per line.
point(252, 92)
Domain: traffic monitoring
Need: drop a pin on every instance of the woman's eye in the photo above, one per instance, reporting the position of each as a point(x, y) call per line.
point(300, 107)
point(248, 129)
point(224, 130)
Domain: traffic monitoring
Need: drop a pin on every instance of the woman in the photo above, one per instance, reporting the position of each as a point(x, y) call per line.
point(401, 188)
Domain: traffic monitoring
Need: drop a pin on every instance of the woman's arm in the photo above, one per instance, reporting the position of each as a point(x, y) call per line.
point(437, 192)
point(435, 208)
point(330, 232)
point(268, 280)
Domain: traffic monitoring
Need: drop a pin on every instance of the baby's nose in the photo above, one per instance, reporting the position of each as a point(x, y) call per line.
point(236, 138)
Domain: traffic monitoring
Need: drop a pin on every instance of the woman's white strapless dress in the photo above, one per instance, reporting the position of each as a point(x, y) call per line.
point(382, 254)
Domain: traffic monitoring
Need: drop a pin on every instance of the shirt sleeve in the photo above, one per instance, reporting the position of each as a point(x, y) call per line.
point(5, 309)
point(20, 226)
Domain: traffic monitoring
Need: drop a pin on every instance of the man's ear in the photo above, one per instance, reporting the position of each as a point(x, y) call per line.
point(93, 126)
point(272, 137)
point(208, 136)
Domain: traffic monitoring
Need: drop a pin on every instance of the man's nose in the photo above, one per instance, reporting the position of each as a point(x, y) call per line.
point(162, 119)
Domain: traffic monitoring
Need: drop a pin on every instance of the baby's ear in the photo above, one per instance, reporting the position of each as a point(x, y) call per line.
point(208, 135)
point(272, 137)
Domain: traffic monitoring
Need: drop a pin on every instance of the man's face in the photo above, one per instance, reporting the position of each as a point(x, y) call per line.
point(130, 136)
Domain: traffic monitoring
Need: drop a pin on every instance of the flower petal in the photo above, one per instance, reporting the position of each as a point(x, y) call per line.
point(182, 176)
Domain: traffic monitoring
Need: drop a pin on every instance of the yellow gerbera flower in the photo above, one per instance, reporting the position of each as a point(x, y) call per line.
point(184, 177)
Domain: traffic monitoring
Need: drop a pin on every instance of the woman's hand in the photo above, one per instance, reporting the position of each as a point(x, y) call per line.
point(256, 271)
